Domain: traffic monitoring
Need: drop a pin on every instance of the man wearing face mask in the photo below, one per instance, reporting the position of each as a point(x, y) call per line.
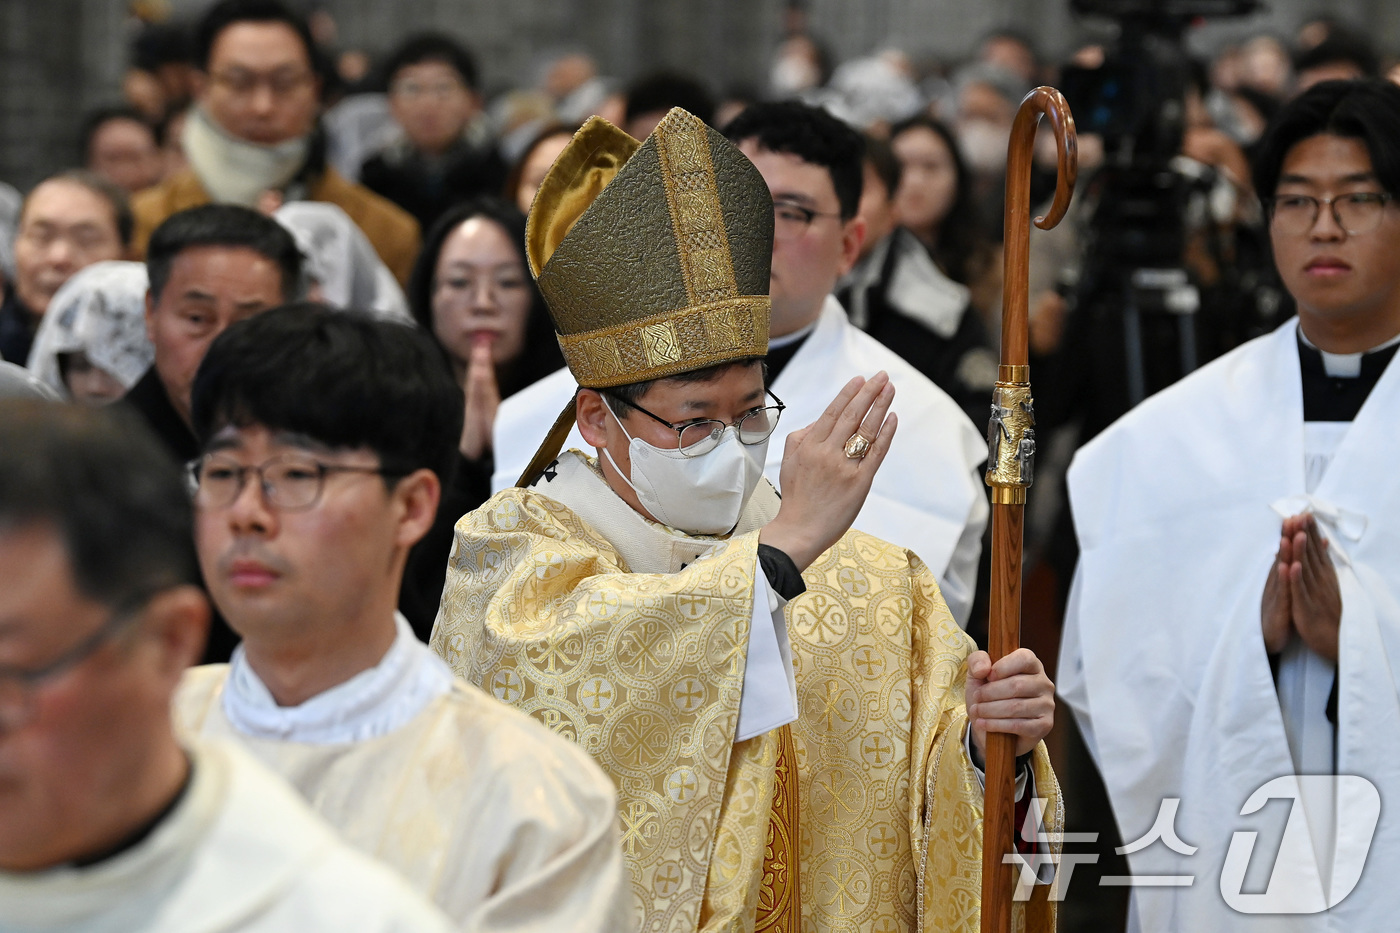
point(748, 670)
point(253, 137)
point(987, 98)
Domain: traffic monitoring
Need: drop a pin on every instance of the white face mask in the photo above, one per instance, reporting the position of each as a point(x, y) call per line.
point(983, 144)
point(702, 495)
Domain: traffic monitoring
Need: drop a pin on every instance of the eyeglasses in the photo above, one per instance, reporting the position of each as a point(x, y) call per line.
point(242, 83)
point(18, 685)
point(417, 90)
point(289, 482)
point(1356, 213)
point(696, 438)
point(791, 220)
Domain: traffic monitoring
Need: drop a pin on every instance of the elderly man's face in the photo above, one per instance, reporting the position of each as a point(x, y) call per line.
point(209, 288)
point(74, 742)
point(261, 86)
point(64, 227)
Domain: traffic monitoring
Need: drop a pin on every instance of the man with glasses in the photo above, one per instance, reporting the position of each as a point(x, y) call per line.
point(444, 154)
point(107, 820)
point(324, 434)
point(928, 496)
point(253, 137)
point(1239, 554)
point(779, 698)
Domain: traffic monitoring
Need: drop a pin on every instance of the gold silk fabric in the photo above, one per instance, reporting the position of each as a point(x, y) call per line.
point(645, 672)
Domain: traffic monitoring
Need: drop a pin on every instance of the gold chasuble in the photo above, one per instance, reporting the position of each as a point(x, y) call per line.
point(631, 638)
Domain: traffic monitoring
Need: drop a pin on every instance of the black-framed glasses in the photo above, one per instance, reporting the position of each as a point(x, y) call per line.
point(791, 219)
point(696, 438)
point(18, 684)
point(1357, 213)
point(289, 481)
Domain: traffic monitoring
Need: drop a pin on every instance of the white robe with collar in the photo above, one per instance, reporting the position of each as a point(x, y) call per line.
point(503, 824)
point(1177, 508)
point(239, 852)
point(927, 496)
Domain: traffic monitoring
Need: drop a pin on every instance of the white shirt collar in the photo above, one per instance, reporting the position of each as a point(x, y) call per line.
point(373, 703)
point(1343, 365)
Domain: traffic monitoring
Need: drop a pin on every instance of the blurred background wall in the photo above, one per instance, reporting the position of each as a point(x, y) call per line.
point(59, 58)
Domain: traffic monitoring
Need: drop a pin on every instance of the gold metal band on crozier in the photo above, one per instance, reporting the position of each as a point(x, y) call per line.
point(1011, 443)
point(669, 343)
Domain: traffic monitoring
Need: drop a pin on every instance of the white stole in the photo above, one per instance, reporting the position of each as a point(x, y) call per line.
point(1163, 658)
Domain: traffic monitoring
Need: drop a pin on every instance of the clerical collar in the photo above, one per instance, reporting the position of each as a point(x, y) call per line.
point(1336, 385)
point(369, 705)
point(782, 349)
point(1344, 365)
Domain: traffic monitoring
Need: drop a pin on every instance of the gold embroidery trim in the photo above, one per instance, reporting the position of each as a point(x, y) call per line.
point(779, 902)
point(688, 174)
point(668, 343)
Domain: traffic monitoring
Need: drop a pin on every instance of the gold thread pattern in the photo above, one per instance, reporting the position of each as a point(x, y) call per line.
point(539, 609)
point(668, 343)
point(688, 174)
point(779, 901)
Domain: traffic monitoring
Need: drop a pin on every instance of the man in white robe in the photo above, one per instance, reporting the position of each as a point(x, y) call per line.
point(1239, 552)
point(107, 822)
point(928, 496)
point(502, 824)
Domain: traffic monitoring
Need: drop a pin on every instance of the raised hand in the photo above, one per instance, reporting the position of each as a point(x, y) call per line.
point(824, 487)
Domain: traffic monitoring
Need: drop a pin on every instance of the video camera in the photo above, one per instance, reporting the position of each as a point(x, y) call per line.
point(1145, 192)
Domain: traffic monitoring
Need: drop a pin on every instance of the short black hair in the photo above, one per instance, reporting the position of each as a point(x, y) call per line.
point(109, 191)
point(619, 398)
point(223, 225)
point(1341, 46)
point(433, 47)
point(105, 485)
point(662, 90)
point(96, 119)
point(226, 13)
point(880, 156)
point(811, 134)
point(342, 378)
point(1368, 110)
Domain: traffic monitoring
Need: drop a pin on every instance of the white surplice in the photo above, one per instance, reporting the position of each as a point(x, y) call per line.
point(928, 495)
point(1178, 508)
point(239, 852)
point(503, 824)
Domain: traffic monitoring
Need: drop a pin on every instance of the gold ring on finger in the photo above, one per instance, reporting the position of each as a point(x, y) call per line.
point(857, 447)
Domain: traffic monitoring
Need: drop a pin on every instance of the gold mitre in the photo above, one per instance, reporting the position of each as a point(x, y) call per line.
point(652, 257)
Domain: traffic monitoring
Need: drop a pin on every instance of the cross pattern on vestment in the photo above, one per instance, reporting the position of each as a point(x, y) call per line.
point(885, 841)
point(688, 694)
point(830, 703)
point(596, 693)
point(845, 885)
point(638, 824)
point(867, 659)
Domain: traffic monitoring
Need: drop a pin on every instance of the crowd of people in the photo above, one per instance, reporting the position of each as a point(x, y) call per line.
point(564, 510)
